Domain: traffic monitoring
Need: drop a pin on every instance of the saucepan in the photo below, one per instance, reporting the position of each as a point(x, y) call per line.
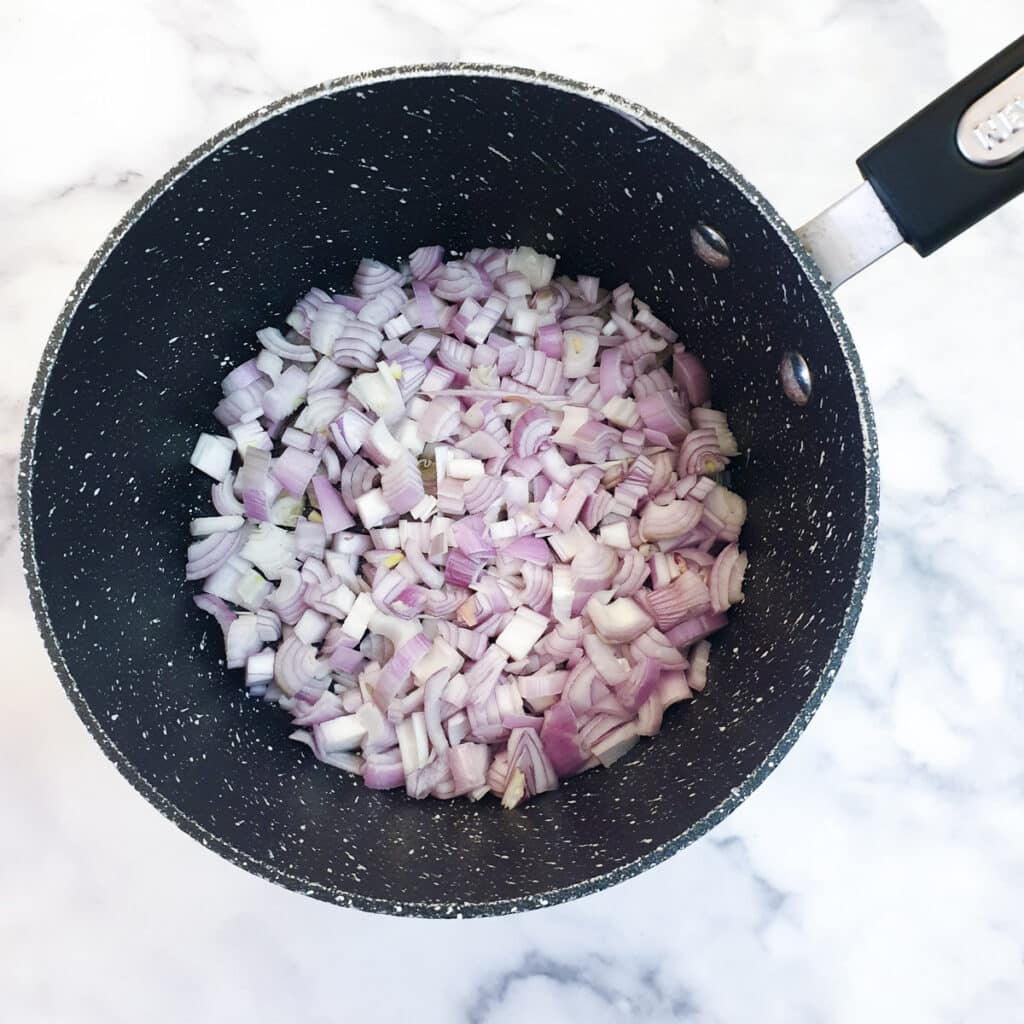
point(469, 155)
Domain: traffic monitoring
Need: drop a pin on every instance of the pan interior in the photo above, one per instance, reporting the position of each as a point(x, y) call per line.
point(295, 200)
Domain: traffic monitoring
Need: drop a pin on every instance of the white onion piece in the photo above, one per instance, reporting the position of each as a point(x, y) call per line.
point(205, 525)
point(212, 455)
point(522, 633)
point(535, 267)
point(358, 619)
point(342, 734)
point(619, 621)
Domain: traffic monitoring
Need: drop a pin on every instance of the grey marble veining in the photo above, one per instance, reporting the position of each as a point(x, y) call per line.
point(876, 875)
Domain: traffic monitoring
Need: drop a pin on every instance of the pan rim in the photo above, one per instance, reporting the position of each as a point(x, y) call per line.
point(458, 908)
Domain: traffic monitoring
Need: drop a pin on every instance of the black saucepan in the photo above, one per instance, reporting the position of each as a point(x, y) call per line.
point(467, 156)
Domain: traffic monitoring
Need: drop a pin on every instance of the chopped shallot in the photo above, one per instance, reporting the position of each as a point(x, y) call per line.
point(469, 525)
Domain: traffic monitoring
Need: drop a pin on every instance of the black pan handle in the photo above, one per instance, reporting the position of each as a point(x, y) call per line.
point(957, 160)
point(937, 174)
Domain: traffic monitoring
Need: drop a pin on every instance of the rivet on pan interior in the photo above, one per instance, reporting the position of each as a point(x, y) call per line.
point(795, 375)
point(710, 246)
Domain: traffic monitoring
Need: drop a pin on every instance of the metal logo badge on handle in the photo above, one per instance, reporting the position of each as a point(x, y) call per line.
point(991, 130)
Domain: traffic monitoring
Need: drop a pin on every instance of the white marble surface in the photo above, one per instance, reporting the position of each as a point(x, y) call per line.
point(877, 875)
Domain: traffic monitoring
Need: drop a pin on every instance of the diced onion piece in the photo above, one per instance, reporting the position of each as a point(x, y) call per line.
point(358, 619)
point(441, 657)
point(205, 525)
point(343, 733)
point(270, 548)
point(379, 393)
point(616, 535)
point(573, 417)
point(562, 592)
point(259, 668)
point(212, 455)
point(465, 469)
point(522, 633)
point(252, 590)
point(270, 363)
point(579, 350)
point(371, 508)
point(696, 677)
point(312, 626)
point(515, 790)
point(618, 742)
point(612, 670)
point(619, 621)
point(535, 267)
point(621, 411)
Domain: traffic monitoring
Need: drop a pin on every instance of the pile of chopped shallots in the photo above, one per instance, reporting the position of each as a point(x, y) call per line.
point(468, 531)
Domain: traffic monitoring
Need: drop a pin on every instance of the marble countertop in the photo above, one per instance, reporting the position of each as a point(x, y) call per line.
point(877, 874)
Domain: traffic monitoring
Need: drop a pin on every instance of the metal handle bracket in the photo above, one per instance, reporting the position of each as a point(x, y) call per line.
point(850, 235)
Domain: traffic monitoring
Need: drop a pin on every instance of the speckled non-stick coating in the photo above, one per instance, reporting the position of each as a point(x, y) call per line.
point(292, 197)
